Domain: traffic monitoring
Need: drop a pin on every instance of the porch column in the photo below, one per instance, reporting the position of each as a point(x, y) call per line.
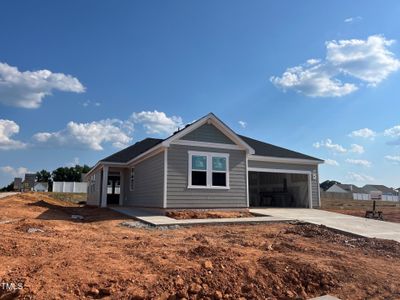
point(104, 187)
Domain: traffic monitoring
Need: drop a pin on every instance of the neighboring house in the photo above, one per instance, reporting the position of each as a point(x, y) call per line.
point(29, 182)
point(357, 192)
point(205, 165)
point(41, 187)
point(17, 184)
point(381, 192)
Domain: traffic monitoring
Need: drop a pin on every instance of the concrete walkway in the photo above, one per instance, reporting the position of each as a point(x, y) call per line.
point(355, 225)
point(156, 218)
point(5, 194)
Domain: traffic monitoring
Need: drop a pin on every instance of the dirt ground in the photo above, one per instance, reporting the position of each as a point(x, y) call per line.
point(51, 256)
point(207, 214)
point(391, 210)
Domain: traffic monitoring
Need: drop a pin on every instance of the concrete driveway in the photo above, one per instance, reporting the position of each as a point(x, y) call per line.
point(356, 225)
point(2, 195)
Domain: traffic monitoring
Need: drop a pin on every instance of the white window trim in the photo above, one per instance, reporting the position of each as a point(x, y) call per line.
point(208, 170)
point(132, 184)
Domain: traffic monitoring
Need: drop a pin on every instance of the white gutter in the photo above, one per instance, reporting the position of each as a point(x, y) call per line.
point(285, 160)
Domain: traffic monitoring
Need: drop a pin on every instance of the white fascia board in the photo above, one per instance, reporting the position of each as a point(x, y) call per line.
point(207, 145)
point(185, 131)
point(148, 153)
point(152, 151)
point(271, 170)
point(102, 164)
point(231, 134)
point(285, 160)
point(217, 123)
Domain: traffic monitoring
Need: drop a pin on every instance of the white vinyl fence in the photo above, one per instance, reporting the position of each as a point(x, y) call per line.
point(360, 196)
point(69, 187)
point(390, 198)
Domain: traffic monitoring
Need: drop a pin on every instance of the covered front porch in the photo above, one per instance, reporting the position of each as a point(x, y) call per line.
point(112, 186)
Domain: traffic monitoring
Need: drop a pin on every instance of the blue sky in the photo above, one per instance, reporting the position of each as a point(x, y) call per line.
point(81, 79)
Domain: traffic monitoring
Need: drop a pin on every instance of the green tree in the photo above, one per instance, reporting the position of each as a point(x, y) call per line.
point(43, 176)
point(8, 188)
point(70, 174)
point(327, 184)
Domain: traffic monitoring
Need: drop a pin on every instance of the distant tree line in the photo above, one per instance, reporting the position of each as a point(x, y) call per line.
point(327, 184)
point(69, 174)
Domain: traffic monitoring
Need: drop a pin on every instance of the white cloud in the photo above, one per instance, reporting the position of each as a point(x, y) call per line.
point(14, 172)
point(316, 80)
point(357, 149)
point(331, 162)
point(353, 19)
point(313, 61)
point(328, 144)
point(89, 103)
point(360, 162)
point(243, 124)
point(393, 132)
point(363, 133)
point(393, 158)
point(365, 60)
point(9, 128)
point(27, 89)
point(155, 122)
point(359, 177)
point(89, 135)
point(368, 60)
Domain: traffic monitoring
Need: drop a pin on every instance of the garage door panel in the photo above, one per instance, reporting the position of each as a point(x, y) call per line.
point(279, 189)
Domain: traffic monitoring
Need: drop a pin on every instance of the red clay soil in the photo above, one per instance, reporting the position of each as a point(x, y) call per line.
point(207, 214)
point(98, 258)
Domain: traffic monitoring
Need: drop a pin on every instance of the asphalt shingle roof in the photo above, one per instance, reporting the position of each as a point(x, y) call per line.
point(379, 187)
point(131, 152)
point(265, 149)
point(352, 188)
point(260, 148)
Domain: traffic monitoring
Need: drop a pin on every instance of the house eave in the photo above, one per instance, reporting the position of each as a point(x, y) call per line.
point(285, 160)
point(212, 119)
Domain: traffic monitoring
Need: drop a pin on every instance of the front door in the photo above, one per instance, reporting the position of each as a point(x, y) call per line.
point(113, 189)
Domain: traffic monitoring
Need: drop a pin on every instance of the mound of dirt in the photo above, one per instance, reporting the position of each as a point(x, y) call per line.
point(98, 258)
point(371, 246)
point(207, 214)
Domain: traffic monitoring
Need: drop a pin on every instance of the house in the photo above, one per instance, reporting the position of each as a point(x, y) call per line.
point(381, 188)
point(205, 165)
point(345, 188)
point(17, 184)
point(381, 192)
point(29, 182)
point(41, 187)
point(357, 192)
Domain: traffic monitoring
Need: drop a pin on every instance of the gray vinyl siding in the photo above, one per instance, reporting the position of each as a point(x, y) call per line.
point(314, 183)
point(178, 194)
point(207, 133)
point(149, 183)
point(93, 198)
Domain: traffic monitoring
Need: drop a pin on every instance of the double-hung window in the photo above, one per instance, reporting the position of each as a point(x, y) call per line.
point(208, 170)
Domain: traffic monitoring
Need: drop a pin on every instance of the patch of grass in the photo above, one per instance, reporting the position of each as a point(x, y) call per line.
point(68, 197)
